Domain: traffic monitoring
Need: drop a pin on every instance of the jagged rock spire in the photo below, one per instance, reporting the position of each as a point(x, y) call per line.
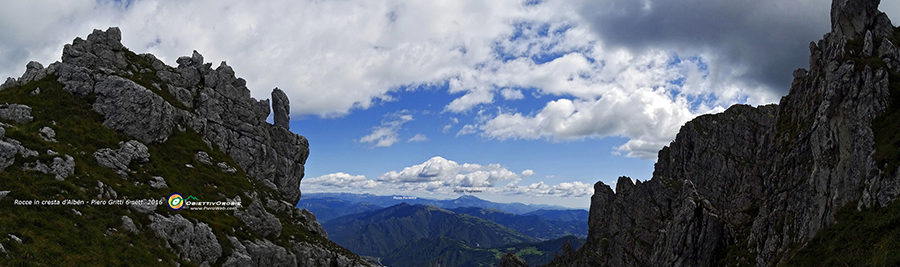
point(282, 108)
point(852, 18)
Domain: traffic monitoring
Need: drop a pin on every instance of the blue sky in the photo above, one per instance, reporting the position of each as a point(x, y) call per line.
point(528, 101)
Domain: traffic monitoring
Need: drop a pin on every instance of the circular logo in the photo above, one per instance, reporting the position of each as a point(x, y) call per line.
point(176, 201)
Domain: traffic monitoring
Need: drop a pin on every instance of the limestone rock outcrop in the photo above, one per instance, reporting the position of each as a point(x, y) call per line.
point(259, 220)
point(282, 107)
point(143, 98)
point(195, 242)
point(216, 103)
point(118, 160)
point(20, 114)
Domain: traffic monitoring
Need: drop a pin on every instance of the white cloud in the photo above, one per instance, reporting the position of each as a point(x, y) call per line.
point(418, 138)
point(453, 121)
point(340, 180)
point(467, 129)
point(386, 134)
point(511, 94)
point(439, 175)
point(332, 57)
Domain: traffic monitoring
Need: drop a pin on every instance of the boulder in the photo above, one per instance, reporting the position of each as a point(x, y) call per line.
point(7, 154)
point(118, 160)
point(157, 182)
point(259, 220)
point(193, 242)
point(48, 134)
point(33, 71)
point(129, 225)
point(20, 114)
point(203, 157)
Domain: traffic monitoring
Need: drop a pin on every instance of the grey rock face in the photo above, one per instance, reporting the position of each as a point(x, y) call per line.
point(59, 167)
point(226, 168)
point(145, 209)
point(868, 44)
point(48, 134)
point(281, 106)
point(308, 219)
point(259, 220)
point(20, 114)
point(104, 191)
point(23, 151)
point(239, 256)
point(10, 82)
point(194, 242)
point(778, 174)
point(851, 18)
point(63, 168)
point(157, 182)
point(266, 253)
point(128, 225)
point(203, 157)
point(33, 71)
point(511, 260)
point(118, 160)
point(101, 50)
point(314, 255)
point(136, 110)
point(224, 113)
point(7, 154)
point(219, 108)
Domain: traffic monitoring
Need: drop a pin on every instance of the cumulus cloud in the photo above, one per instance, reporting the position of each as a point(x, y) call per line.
point(453, 121)
point(386, 134)
point(418, 138)
point(675, 57)
point(467, 129)
point(340, 180)
point(511, 94)
point(440, 175)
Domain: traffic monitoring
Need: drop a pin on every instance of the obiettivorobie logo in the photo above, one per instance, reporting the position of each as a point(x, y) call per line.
point(177, 202)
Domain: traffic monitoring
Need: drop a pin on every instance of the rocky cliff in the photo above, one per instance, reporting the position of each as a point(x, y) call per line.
point(749, 186)
point(110, 125)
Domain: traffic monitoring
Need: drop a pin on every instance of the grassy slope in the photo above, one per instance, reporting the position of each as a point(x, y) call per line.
point(53, 235)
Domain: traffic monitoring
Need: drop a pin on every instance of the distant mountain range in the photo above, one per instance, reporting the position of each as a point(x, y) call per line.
point(530, 225)
point(328, 206)
point(443, 251)
point(380, 232)
point(467, 231)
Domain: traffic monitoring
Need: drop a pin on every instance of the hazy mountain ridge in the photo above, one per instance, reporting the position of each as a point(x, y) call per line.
point(530, 225)
point(461, 201)
point(753, 186)
point(378, 233)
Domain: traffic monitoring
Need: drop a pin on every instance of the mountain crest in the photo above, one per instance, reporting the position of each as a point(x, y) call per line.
point(752, 184)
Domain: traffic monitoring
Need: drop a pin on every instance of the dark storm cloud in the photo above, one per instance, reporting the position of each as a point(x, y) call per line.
point(767, 39)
